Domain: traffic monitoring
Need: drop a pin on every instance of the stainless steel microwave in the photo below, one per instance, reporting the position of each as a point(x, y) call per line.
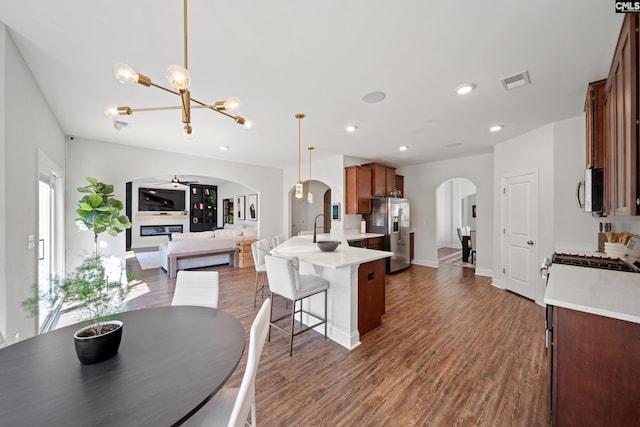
point(594, 190)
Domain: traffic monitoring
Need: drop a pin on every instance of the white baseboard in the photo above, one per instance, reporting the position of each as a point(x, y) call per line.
point(425, 263)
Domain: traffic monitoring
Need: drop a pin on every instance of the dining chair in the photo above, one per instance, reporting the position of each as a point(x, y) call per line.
point(258, 250)
point(473, 245)
point(276, 240)
point(459, 230)
point(285, 280)
point(196, 288)
point(231, 406)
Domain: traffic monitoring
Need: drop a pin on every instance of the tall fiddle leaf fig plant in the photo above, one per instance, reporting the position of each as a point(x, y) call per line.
point(98, 211)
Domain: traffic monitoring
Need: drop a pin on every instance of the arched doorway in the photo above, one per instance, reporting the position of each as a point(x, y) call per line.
point(456, 208)
point(303, 213)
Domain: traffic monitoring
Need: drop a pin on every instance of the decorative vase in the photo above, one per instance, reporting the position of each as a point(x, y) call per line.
point(96, 348)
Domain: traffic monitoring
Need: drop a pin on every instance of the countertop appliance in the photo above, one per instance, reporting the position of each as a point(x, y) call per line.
point(357, 243)
point(390, 216)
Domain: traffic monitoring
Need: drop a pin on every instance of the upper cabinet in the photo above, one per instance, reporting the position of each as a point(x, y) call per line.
point(383, 179)
point(594, 113)
point(611, 110)
point(358, 190)
point(621, 124)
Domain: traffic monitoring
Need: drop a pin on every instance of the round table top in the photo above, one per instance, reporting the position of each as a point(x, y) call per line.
point(171, 361)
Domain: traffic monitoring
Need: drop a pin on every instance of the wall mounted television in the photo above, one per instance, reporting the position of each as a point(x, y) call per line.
point(157, 199)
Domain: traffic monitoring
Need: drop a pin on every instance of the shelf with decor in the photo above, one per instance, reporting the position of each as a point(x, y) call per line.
point(203, 207)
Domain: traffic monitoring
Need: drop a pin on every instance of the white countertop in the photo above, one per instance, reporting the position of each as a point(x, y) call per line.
point(345, 255)
point(603, 292)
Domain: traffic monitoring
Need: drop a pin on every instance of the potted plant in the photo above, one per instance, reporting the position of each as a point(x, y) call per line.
point(92, 288)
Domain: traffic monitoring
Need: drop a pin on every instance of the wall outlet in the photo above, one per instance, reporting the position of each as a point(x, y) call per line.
point(31, 241)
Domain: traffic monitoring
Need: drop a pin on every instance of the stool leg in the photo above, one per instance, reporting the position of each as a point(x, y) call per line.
point(293, 316)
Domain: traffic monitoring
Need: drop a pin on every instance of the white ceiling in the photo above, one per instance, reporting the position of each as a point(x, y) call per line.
point(319, 58)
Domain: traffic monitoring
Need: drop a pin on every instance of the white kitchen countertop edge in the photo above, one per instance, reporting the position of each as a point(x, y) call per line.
point(344, 256)
point(607, 293)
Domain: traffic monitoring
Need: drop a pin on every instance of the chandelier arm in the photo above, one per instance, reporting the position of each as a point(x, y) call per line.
point(211, 107)
point(185, 35)
point(165, 88)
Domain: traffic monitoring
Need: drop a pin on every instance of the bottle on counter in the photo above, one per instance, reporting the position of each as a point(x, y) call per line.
point(363, 227)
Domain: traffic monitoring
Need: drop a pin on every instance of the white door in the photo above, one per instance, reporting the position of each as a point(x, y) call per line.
point(520, 233)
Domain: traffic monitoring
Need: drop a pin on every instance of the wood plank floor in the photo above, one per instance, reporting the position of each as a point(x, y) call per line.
point(452, 351)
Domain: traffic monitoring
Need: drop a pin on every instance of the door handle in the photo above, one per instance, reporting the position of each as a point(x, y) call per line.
point(530, 242)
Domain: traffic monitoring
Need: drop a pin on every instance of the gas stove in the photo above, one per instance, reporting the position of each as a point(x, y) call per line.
point(604, 263)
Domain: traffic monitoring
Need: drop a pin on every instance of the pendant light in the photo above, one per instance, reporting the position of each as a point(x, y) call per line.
point(299, 191)
point(310, 194)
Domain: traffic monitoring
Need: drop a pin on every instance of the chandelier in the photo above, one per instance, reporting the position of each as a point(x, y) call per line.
point(179, 78)
point(299, 191)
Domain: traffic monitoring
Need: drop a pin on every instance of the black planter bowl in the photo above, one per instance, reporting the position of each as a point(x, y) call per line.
point(96, 348)
point(328, 245)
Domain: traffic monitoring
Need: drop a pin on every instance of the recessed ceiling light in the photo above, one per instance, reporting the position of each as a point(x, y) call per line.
point(496, 128)
point(351, 128)
point(403, 148)
point(465, 88)
point(223, 148)
point(373, 97)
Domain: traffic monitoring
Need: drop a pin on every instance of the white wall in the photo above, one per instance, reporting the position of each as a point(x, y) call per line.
point(116, 164)
point(420, 185)
point(26, 125)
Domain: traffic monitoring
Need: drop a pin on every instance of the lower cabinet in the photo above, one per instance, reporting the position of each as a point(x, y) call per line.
point(594, 370)
point(371, 298)
point(376, 243)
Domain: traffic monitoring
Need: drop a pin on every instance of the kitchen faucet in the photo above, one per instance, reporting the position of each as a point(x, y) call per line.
point(314, 226)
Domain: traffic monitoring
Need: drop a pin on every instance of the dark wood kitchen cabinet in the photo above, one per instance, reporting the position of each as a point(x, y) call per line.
point(594, 115)
point(594, 370)
point(371, 295)
point(376, 243)
point(383, 178)
point(357, 190)
point(621, 125)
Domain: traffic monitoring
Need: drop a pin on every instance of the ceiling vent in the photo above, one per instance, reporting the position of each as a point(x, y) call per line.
point(516, 80)
point(119, 124)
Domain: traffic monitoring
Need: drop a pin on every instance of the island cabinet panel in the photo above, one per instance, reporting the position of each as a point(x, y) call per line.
point(594, 369)
point(621, 125)
point(594, 118)
point(357, 190)
point(371, 295)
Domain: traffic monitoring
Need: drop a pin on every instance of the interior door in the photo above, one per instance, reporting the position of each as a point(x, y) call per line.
point(520, 233)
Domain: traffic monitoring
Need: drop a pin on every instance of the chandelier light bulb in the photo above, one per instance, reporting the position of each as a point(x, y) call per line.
point(310, 197)
point(111, 111)
point(187, 131)
point(178, 76)
point(124, 73)
point(299, 191)
point(233, 104)
point(248, 124)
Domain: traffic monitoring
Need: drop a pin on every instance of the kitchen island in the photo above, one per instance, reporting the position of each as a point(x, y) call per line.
point(341, 268)
point(594, 318)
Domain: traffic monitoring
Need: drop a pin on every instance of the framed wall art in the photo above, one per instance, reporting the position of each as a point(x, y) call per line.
point(239, 207)
point(252, 207)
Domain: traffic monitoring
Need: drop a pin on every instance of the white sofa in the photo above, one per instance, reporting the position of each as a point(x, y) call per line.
point(182, 243)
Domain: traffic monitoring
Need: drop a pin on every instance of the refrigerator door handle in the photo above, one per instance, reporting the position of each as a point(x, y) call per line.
point(400, 225)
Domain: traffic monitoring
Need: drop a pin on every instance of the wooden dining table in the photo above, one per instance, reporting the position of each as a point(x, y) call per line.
point(171, 361)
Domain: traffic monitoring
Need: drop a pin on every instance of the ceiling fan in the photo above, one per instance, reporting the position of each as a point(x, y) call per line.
point(175, 181)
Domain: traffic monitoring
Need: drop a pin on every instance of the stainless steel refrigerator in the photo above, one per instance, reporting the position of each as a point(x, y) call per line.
point(391, 217)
